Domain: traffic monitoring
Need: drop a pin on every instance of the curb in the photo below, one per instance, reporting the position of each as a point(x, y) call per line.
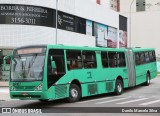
point(4, 84)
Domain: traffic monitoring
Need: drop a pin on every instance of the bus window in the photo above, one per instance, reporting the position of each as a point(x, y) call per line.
point(137, 59)
point(151, 57)
point(146, 57)
point(121, 60)
point(74, 59)
point(104, 58)
point(58, 57)
point(154, 56)
point(89, 59)
point(142, 58)
point(112, 59)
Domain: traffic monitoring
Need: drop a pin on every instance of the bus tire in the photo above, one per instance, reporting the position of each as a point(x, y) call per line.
point(147, 83)
point(74, 93)
point(118, 87)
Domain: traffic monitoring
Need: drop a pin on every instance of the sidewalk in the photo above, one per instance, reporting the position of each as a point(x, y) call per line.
point(4, 84)
point(4, 94)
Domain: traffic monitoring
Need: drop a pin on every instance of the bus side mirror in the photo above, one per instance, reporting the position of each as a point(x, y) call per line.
point(4, 62)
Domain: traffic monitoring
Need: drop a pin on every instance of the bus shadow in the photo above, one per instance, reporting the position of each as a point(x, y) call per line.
point(43, 104)
point(130, 89)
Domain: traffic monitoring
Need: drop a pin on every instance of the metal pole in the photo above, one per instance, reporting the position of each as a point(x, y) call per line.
point(56, 20)
point(130, 24)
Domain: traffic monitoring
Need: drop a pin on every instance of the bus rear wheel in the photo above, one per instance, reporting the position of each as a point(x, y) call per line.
point(118, 87)
point(74, 93)
point(147, 83)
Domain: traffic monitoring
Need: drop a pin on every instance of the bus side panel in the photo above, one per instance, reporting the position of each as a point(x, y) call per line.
point(141, 72)
point(95, 88)
point(153, 71)
point(125, 82)
point(118, 72)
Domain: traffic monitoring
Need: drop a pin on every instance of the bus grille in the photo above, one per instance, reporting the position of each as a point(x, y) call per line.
point(109, 86)
point(27, 88)
point(61, 91)
point(92, 88)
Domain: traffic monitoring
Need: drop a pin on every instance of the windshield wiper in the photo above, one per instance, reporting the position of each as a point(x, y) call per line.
point(30, 65)
point(23, 71)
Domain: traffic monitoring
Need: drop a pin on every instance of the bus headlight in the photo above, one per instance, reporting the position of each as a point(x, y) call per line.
point(12, 88)
point(39, 87)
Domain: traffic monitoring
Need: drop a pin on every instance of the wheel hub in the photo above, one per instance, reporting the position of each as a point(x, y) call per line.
point(119, 88)
point(74, 93)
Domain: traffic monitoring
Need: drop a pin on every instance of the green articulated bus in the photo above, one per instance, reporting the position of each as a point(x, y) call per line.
point(49, 72)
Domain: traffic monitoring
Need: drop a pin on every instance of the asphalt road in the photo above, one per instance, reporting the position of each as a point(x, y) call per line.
point(144, 98)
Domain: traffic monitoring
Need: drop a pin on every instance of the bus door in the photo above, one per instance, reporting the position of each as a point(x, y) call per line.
point(90, 63)
point(91, 71)
point(58, 57)
point(131, 67)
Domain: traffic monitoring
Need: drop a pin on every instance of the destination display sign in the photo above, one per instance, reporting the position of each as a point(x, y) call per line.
point(27, 15)
point(30, 50)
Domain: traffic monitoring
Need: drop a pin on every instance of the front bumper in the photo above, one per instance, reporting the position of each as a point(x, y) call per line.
point(29, 95)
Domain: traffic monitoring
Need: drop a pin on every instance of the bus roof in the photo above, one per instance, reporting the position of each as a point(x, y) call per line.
point(142, 49)
point(97, 48)
point(85, 48)
point(60, 46)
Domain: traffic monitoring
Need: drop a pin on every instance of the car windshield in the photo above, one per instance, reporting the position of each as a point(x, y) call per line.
point(27, 67)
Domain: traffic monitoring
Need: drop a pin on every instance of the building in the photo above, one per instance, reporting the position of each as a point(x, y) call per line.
point(110, 4)
point(144, 16)
point(28, 22)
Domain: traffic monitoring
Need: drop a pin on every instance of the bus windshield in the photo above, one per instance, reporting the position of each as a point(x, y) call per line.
point(27, 67)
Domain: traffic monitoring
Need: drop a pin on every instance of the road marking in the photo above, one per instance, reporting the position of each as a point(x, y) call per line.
point(132, 101)
point(94, 100)
point(111, 100)
point(152, 102)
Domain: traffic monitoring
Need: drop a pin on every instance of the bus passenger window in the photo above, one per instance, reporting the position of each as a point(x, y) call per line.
point(146, 57)
point(152, 57)
point(121, 60)
point(137, 59)
point(112, 59)
point(142, 58)
point(104, 58)
point(74, 59)
point(89, 59)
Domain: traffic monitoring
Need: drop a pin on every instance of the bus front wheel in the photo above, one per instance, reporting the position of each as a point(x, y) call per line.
point(119, 87)
point(74, 93)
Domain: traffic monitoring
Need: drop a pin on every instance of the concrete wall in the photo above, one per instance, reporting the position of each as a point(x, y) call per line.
point(19, 35)
point(15, 35)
